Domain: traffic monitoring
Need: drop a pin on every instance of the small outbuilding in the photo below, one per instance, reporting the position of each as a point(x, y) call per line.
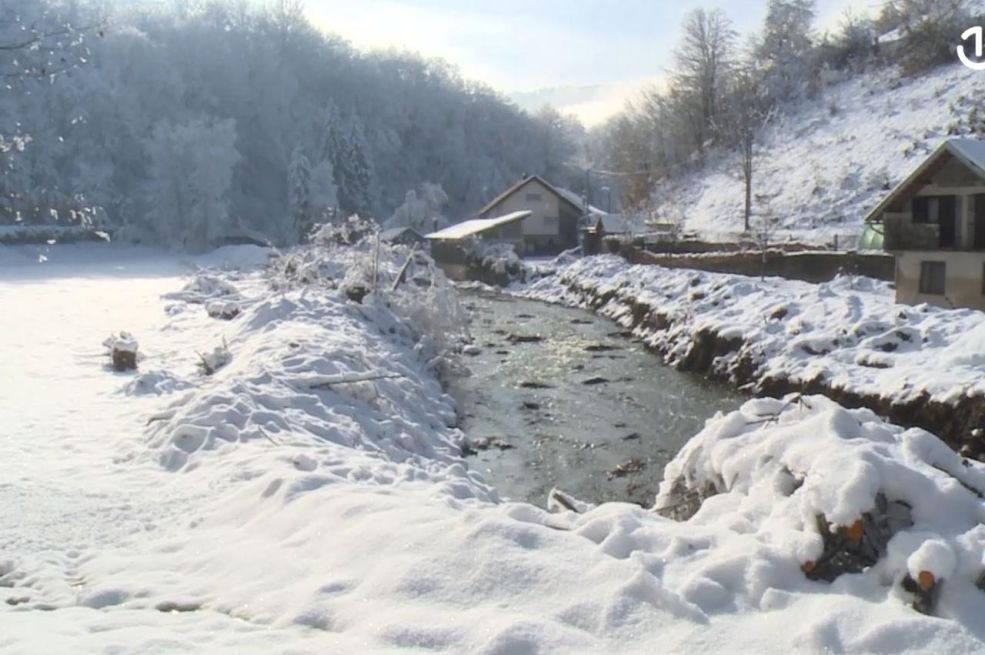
point(405, 236)
point(601, 226)
point(934, 223)
point(451, 246)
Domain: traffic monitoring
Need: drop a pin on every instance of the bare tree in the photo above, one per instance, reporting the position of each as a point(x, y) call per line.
point(747, 113)
point(766, 228)
point(39, 40)
point(703, 61)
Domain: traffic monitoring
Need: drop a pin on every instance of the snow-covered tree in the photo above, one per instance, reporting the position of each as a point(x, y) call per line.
point(393, 121)
point(299, 187)
point(191, 172)
point(354, 174)
point(746, 113)
point(785, 49)
point(422, 209)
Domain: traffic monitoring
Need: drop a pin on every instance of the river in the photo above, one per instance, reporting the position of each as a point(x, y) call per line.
point(560, 397)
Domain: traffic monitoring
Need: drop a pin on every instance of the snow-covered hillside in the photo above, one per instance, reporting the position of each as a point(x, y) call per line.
point(823, 164)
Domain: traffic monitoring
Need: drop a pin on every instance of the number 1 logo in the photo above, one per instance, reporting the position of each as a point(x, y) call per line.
point(975, 32)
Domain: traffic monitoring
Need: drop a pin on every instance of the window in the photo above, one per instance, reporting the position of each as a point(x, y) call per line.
point(534, 197)
point(551, 221)
point(923, 212)
point(938, 210)
point(932, 278)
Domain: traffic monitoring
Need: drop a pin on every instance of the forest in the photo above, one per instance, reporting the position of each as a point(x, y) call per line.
point(194, 123)
point(190, 123)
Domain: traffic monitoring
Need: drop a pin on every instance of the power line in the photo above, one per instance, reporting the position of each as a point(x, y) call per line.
point(619, 173)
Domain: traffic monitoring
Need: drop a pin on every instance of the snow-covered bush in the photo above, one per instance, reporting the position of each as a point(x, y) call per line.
point(430, 303)
point(223, 309)
point(216, 359)
point(204, 288)
point(841, 491)
point(404, 280)
point(343, 233)
point(494, 263)
point(928, 29)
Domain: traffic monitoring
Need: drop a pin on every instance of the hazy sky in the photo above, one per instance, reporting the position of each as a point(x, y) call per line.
point(522, 45)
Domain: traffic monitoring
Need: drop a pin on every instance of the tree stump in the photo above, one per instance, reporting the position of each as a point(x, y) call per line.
point(123, 351)
point(124, 360)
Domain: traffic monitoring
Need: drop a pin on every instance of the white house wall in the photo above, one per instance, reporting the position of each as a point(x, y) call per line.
point(545, 216)
point(964, 278)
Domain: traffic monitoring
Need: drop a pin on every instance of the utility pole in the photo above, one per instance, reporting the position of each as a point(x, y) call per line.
point(588, 190)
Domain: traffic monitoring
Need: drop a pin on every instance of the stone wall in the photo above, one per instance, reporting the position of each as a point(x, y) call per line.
point(815, 266)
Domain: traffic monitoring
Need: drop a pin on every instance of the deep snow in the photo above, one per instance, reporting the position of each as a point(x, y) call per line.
point(289, 504)
point(848, 333)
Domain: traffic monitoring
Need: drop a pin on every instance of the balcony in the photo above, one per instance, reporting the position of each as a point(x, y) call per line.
point(899, 234)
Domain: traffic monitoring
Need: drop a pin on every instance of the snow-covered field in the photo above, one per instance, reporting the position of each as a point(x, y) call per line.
point(848, 334)
point(822, 165)
point(283, 505)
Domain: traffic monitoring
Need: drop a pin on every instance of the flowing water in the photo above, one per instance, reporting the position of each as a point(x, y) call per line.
point(560, 397)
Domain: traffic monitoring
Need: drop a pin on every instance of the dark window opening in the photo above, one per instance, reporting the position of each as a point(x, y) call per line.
point(933, 276)
point(947, 218)
point(980, 222)
point(939, 210)
point(921, 210)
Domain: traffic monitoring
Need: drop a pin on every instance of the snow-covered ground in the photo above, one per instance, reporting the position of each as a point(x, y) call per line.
point(309, 495)
point(847, 334)
point(823, 164)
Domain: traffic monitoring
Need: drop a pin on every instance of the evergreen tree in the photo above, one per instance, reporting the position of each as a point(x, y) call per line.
point(785, 50)
point(299, 200)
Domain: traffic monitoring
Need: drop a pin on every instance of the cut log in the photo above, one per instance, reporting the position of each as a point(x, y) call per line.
point(122, 349)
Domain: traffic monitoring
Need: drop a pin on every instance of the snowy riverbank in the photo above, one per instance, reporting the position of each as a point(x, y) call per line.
point(309, 496)
point(846, 338)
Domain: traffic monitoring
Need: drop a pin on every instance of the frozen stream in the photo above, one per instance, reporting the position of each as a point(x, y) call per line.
point(575, 405)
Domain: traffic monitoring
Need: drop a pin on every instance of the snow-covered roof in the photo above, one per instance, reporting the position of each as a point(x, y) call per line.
point(576, 199)
point(476, 226)
point(395, 232)
point(616, 223)
point(570, 198)
point(970, 152)
point(613, 223)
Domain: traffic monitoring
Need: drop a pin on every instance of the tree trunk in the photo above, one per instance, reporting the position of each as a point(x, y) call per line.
point(747, 209)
